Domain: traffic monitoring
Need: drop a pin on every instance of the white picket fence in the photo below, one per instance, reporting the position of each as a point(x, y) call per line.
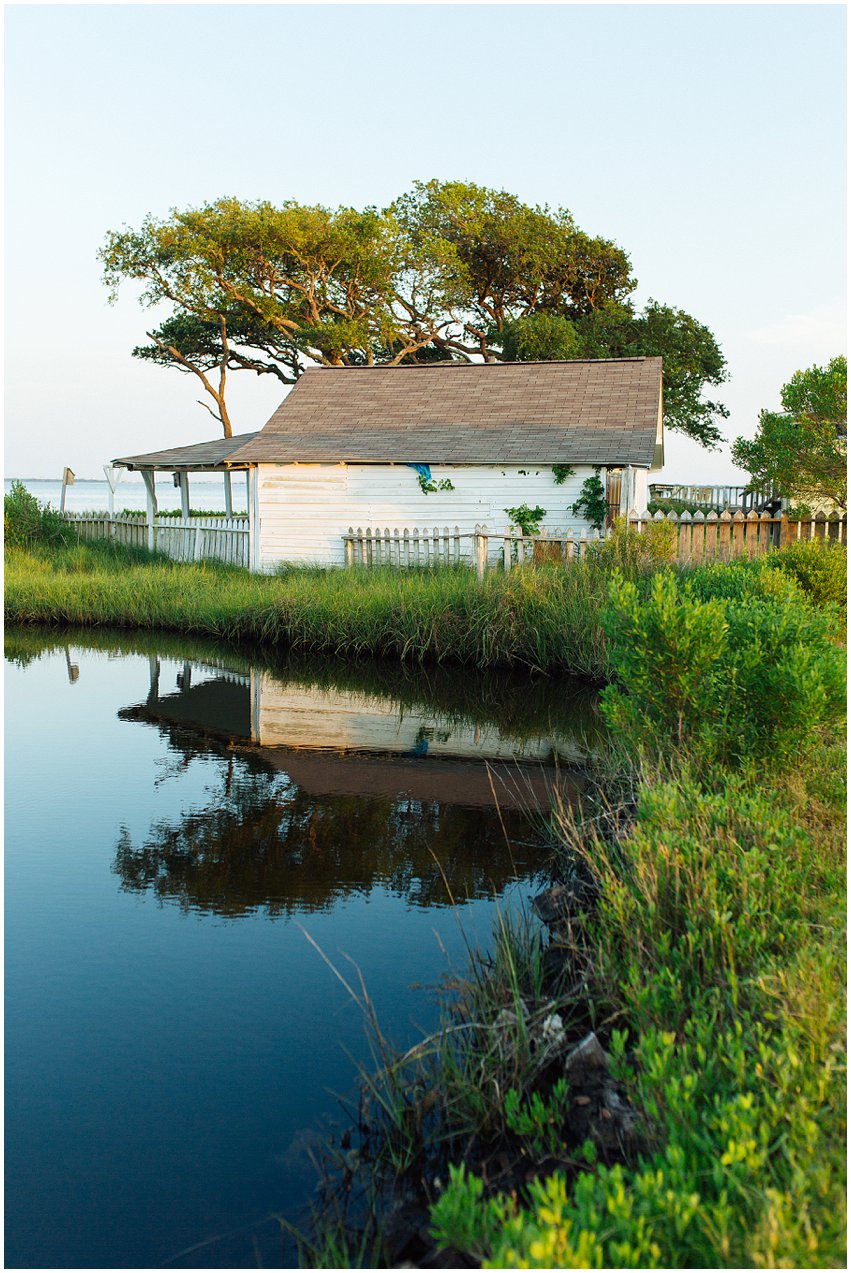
point(450, 546)
point(220, 538)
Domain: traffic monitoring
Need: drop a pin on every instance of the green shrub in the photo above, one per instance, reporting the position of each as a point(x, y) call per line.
point(635, 552)
point(528, 519)
point(820, 568)
point(734, 680)
point(741, 580)
point(27, 522)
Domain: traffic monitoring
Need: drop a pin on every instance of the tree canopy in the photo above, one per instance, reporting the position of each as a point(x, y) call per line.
point(449, 271)
point(801, 451)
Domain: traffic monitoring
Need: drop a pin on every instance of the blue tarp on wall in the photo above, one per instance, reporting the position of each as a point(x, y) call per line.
point(424, 470)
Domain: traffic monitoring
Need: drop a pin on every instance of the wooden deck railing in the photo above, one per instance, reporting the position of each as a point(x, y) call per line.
point(220, 538)
point(745, 498)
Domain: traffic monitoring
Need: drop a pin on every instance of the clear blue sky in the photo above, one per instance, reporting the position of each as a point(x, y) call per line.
point(708, 140)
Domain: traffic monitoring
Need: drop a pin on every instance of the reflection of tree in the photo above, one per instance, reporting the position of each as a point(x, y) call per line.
point(262, 842)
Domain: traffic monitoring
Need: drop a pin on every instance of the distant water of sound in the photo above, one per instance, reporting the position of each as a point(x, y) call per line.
point(92, 496)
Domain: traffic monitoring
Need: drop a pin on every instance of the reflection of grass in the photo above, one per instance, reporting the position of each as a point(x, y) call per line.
point(518, 706)
point(544, 618)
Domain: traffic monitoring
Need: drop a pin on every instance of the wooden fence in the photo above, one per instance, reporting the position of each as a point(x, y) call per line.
point(377, 547)
point(451, 546)
point(221, 538)
point(723, 536)
point(699, 538)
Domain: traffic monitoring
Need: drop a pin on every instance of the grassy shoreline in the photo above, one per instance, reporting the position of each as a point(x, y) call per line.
point(545, 620)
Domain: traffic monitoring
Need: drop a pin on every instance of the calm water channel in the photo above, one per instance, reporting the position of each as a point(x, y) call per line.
point(178, 817)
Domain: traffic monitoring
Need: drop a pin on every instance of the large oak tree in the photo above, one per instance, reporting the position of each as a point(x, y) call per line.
point(450, 271)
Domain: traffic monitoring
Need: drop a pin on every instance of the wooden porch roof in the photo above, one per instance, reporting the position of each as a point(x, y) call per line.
point(199, 458)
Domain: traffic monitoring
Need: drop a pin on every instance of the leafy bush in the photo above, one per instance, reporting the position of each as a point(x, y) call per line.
point(27, 522)
point(737, 680)
point(528, 519)
point(820, 568)
point(635, 552)
point(742, 580)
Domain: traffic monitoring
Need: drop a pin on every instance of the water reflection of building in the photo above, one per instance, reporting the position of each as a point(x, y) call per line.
point(325, 789)
point(339, 740)
point(287, 714)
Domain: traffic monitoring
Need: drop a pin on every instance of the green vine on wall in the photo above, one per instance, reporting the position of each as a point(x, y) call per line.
point(561, 472)
point(528, 519)
point(592, 501)
point(428, 488)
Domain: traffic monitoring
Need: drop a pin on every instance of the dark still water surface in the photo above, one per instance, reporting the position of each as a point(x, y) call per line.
point(177, 818)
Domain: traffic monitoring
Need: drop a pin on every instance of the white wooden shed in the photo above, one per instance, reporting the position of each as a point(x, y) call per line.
point(349, 445)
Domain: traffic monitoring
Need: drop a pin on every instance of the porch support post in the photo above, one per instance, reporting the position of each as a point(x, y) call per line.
point(151, 492)
point(183, 480)
point(627, 490)
point(228, 495)
point(253, 518)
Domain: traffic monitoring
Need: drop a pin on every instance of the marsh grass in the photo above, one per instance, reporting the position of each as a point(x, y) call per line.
point(544, 618)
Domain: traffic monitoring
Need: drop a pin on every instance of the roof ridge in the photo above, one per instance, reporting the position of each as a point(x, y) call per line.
point(442, 366)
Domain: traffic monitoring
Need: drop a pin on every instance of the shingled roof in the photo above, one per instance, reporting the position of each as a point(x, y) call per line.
point(592, 412)
point(198, 457)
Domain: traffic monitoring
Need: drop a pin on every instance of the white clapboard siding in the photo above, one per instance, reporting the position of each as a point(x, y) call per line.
point(305, 509)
